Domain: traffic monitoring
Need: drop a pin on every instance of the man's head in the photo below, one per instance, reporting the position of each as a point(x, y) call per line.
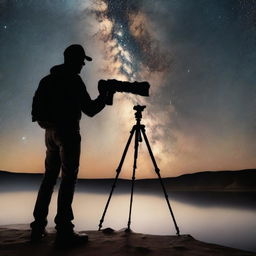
point(74, 57)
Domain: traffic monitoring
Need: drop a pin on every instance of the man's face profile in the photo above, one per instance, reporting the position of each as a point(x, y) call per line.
point(76, 64)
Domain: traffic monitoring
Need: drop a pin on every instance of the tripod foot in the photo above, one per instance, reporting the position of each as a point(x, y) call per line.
point(128, 230)
point(108, 231)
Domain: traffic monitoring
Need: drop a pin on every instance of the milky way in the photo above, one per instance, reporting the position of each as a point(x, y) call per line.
point(124, 30)
point(199, 57)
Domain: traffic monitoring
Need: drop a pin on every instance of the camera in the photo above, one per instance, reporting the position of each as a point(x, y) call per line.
point(112, 86)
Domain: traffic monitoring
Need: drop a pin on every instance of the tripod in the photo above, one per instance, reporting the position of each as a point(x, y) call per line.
point(137, 129)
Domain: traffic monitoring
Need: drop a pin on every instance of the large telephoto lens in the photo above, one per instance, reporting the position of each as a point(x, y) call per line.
point(113, 85)
point(139, 88)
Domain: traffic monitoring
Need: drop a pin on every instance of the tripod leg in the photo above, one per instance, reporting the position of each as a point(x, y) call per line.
point(157, 170)
point(136, 145)
point(118, 170)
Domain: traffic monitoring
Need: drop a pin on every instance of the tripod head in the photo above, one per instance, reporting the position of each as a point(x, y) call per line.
point(138, 113)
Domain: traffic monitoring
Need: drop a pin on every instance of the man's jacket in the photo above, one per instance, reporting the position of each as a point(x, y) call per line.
point(61, 97)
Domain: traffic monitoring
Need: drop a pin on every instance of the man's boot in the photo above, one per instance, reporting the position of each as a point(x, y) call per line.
point(70, 239)
point(37, 234)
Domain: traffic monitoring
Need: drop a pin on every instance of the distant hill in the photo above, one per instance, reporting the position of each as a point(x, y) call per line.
point(244, 180)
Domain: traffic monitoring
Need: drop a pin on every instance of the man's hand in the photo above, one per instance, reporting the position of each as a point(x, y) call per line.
point(102, 87)
point(106, 91)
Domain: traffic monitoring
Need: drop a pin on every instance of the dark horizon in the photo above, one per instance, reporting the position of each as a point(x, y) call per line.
point(243, 180)
point(193, 172)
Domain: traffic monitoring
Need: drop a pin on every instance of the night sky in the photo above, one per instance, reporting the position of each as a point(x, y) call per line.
point(198, 55)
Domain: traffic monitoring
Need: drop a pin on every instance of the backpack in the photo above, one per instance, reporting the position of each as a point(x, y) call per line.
point(41, 110)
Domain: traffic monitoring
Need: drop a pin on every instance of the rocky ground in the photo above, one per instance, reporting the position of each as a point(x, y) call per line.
point(14, 241)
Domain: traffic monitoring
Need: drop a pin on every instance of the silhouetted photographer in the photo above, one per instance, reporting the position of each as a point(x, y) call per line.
point(57, 107)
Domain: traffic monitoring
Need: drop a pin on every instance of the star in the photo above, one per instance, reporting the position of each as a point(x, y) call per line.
point(119, 33)
point(5, 27)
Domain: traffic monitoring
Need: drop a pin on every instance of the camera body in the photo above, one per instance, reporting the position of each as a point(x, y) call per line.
point(112, 86)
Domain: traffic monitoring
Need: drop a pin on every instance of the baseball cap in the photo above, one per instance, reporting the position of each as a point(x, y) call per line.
point(74, 52)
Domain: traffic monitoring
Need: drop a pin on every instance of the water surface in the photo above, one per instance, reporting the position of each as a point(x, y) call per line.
point(224, 218)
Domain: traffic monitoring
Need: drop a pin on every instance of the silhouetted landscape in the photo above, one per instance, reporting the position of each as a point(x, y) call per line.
point(219, 194)
point(236, 181)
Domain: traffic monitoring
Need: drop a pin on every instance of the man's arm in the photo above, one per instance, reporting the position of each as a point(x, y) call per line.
point(92, 107)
